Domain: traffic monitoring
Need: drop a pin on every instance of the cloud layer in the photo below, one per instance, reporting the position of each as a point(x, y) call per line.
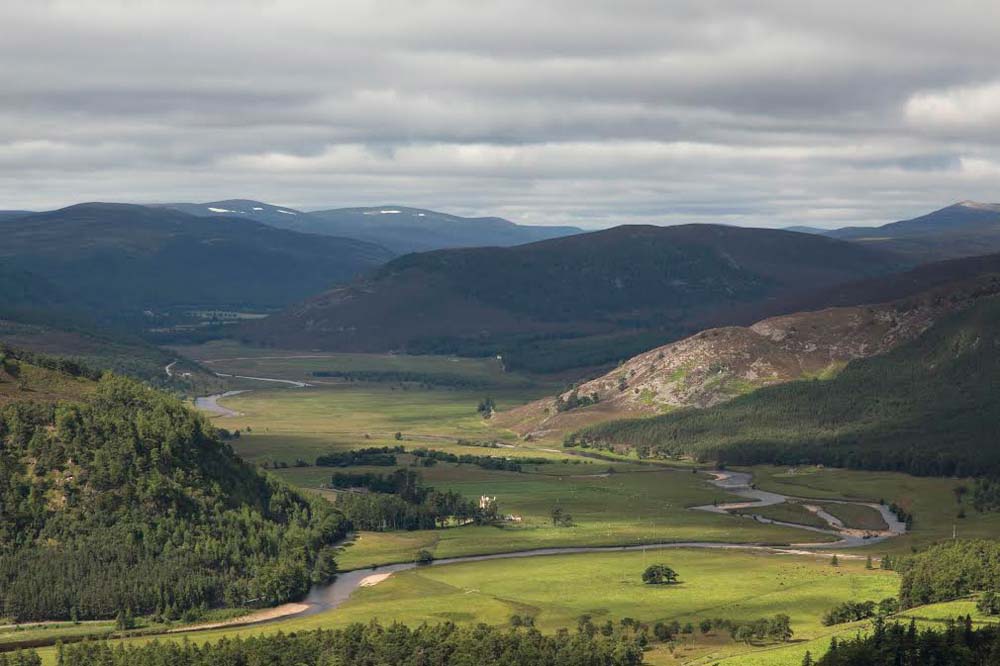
point(566, 111)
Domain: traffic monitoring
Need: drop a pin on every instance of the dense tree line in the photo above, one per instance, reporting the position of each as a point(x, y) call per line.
point(430, 456)
point(928, 408)
point(20, 658)
point(852, 611)
point(403, 377)
point(403, 482)
point(129, 501)
point(377, 645)
point(986, 494)
point(959, 644)
point(399, 501)
point(384, 456)
point(948, 571)
point(11, 358)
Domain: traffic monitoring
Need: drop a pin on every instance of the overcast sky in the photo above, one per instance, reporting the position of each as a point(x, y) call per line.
point(542, 111)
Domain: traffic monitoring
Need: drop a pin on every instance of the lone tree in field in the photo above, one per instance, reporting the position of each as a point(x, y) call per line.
point(561, 518)
point(486, 407)
point(659, 574)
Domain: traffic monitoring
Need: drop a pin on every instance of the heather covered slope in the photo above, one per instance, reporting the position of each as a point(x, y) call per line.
point(31, 377)
point(582, 300)
point(126, 500)
point(719, 364)
point(927, 407)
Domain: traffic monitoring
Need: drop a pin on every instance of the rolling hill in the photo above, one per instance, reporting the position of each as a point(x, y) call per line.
point(242, 208)
point(399, 228)
point(27, 377)
point(406, 229)
point(927, 407)
point(581, 300)
point(722, 363)
point(964, 229)
point(962, 217)
point(119, 259)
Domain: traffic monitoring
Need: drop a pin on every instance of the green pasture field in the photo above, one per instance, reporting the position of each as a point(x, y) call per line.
point(931, 500)
point(557, 590)
point(856, 516)
point(788, 512)
point(624, 508)
point(13, 634)
point(298, 365)
point(633, 504)
point(346, 414)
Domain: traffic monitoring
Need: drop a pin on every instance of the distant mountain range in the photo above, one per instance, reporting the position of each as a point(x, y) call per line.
point(119, 258)
point(963, 229)
point(398, 228)
point(586, 299)
point(570, 301)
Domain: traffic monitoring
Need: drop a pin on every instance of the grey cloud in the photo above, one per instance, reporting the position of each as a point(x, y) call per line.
point(584, 112)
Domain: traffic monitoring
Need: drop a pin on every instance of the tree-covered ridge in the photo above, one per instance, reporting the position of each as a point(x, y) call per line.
point(928, 407)
point(130, 501)
point(377, 645)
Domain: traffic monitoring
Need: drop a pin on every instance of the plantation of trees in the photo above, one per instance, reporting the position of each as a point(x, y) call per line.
point(130, 502)
point(927, 408)
point(377, 645)
point(384, 456)
point(948, 571)
point(959, 644)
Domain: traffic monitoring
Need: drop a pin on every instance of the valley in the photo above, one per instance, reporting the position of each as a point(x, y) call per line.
point(748, 427)
point(562, 333)
point(626, 513)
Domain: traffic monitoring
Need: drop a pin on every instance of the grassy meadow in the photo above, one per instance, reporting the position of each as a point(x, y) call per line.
point(617, 501)
point(624, 508)
point(557, 590)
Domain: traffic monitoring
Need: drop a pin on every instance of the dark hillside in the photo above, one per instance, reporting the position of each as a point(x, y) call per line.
point(581, 300)
point(881, 289)
point(118, 259)
point(405, 229)
point(401, 229)
point(963, 229)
